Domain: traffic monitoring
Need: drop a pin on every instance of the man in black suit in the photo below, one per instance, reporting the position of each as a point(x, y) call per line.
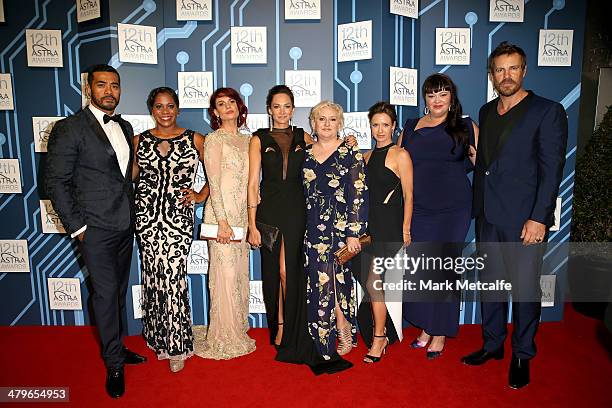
point(88, 179)
point(519, 165)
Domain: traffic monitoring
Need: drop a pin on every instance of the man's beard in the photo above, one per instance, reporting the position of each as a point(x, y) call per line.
point(109, 105)
point(504, 91)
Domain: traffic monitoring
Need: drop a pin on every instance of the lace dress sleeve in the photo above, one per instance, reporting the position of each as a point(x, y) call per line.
point(213, 158)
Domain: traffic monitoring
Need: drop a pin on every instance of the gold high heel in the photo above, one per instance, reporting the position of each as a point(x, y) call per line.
point(345, 340)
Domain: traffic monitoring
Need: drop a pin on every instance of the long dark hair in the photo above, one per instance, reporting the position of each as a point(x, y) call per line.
point(215, 121)
point(455, 126)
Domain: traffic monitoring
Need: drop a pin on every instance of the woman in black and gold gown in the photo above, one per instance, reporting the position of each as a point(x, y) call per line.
point(165, 162)
point(277, 154)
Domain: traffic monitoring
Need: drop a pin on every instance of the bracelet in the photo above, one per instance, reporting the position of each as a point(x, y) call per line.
point(251, 206)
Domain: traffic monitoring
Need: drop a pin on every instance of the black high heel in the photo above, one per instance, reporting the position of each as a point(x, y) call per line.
point(368, 359)
point(432, 355)
point(277, 346)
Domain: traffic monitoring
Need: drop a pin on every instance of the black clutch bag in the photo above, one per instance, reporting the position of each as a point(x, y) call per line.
point(269, 234)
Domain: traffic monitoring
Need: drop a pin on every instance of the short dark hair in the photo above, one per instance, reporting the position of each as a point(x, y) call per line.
point(232, 93)
point(506, 48)
point(279, 89)
point(100, 68)
point(382, 107)
point(162, 89)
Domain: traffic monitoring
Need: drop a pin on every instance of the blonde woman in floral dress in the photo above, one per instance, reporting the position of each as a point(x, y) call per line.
point(336, 208)
point(227, 166)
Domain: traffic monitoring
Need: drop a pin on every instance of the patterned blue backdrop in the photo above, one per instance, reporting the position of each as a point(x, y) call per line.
point(205, 46)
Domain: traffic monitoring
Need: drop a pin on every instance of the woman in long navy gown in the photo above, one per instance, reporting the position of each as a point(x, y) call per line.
point(439, 144)
point(336, 213)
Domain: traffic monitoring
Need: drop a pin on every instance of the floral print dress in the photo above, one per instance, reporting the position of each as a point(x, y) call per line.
point(336, 208)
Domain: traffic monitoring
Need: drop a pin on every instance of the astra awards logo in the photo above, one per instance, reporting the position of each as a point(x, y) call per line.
point(302, 9)
point(555, 48)
point(452, 46)
point(258, 121)
point(358, 125)
point(10, 176)
point(249, 45)
point(14, 256)
point(355, 41)
point(140, 123)
point(87, 10)
point(84, 95)
point(44, 48)
point(556, 216)
point(195, 89)
point(137, 301)
point(199, 178)
point(6, 92)
point(51, 223)
point(407, 8)
point(491, 91)
point(403, 86)
point(41, 127)
point(137, 44)
point(305, 85)
point(256, 301)
point(547, 284)
point(64, 293)
point(197, 261)
point(506, 10)
point(193, 10)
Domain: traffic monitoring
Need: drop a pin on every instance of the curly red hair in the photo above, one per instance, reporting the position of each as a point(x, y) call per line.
point(215, 121)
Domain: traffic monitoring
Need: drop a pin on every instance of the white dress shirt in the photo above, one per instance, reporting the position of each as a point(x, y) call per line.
point(118, 142)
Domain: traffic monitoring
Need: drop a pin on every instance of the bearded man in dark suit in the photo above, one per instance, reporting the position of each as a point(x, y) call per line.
point(88, 179)
point(518, 170)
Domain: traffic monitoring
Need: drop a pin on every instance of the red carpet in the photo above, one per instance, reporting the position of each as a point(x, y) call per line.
point(572, 369)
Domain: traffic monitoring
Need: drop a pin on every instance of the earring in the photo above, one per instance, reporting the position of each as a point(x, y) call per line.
point(449, 108)
point(426, 110)
point(271, 122)
point(291, 124)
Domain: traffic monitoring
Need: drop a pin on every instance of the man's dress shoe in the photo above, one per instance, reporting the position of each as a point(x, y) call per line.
point(132, 358)
point(518, 377)
point(115, 382)
point(482, 356)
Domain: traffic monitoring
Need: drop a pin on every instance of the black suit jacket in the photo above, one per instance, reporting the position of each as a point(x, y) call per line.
point(521, 181)
point(83, 179)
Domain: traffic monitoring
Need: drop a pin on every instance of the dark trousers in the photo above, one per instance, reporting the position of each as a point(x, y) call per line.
point(507, 259)
point(107, 255)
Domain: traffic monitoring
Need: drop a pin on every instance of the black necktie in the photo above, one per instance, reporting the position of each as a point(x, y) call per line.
point(108, 118)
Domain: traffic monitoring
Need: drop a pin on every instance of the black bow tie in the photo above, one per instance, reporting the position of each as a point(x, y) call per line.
point(108, 118)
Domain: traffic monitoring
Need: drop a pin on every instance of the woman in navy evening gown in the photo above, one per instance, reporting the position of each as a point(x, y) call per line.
point(440, 144)
point(336, 216)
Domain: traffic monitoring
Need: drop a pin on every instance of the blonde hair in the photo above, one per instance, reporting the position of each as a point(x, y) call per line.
point(314, 112)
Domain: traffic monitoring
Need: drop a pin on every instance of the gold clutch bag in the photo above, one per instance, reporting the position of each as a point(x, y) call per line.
point(343, 255)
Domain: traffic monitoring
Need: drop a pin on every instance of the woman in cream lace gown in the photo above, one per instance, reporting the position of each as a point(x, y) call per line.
point(227, 165)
